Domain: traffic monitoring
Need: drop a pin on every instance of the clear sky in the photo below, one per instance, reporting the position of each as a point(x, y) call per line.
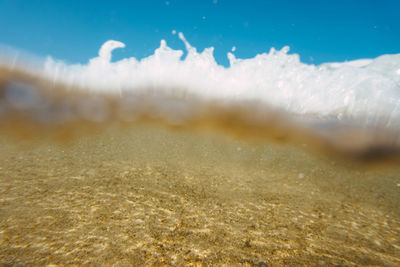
point(318, 30)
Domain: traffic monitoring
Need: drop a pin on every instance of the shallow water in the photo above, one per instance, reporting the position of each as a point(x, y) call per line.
point(149, 195)
point(153, 177)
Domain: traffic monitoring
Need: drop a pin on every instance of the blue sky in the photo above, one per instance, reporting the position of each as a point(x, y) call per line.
point(318, 30)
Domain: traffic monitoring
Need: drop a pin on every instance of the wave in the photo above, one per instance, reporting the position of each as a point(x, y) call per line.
point(349, 108)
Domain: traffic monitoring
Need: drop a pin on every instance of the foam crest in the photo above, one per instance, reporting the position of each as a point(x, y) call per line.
point(367, 89)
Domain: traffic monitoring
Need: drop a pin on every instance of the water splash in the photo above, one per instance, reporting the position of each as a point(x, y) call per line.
point(352, 107)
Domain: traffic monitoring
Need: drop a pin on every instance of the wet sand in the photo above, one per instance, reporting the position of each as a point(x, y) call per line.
point(156, 197)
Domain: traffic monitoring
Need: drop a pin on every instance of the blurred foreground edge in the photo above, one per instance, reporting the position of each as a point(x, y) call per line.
point(33, 107)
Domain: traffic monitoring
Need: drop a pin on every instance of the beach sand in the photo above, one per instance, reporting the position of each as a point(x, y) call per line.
point(157, 197)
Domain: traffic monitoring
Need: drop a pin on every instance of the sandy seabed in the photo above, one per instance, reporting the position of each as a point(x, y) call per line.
point(155, 197)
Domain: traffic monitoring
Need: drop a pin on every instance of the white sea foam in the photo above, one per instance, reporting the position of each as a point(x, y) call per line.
point(365, 88)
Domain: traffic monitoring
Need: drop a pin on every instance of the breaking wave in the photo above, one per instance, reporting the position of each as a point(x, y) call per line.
point(352, 107)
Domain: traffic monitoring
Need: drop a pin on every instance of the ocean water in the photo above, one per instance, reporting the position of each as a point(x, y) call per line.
point(177, 160)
